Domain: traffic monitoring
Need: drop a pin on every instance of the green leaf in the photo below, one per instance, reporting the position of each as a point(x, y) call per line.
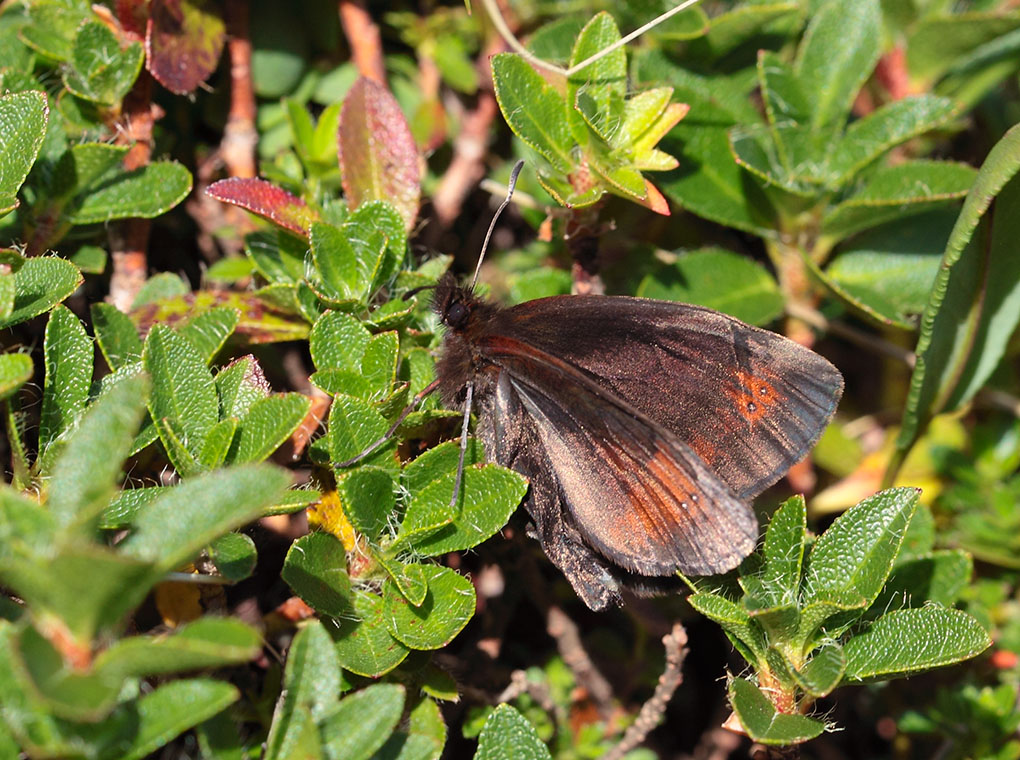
point(869, 137)
point(216, 446)
point(838, 52)
point(409, 578)
point(181, 522)
point(366, 363)
point(90, 259)
point(183, 461)
point(234, 555)
point(368, 499)
point(851, 561)
point(893, 192)
point(85, 475)
point(208, 331)
point(68, 356)
point(23, 118)
point(268, 423)
point(338, 341)
point(533, 109)
point(507, 735)
point(363, 643)
point(823, 672)
point(165, 286)
point(7, 292)
point(447, 608)
point(316, 570)
point(348, 266)
point(40, 284)
point(887, 272)
point(488, 496)
point(720, 280)
point(605, 79)
point(782, 91)
point(128, 503)
point(173, 708)
point(146, 192)
point(116, 334)
point(975, 303)
point(912, 641)
point(52, 28)
point(424, 737)
point(764, 723)
point(205, 643)
point(937, 576)
point(940, 40)
point(311, 684)
point(87, 586)
point(709, 183)
point(733, 619)
point(100, 70)
point(183, 390)
point(69, 694)
point(784, 554)
point(353, 426)
point(239, 385)
point(362, 722)
point(15, 371)
point(741, 24)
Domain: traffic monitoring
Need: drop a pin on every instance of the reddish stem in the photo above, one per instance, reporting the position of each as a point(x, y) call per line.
point(467, 168)
point(129, 239)
point(363, 37)
point(240, 137)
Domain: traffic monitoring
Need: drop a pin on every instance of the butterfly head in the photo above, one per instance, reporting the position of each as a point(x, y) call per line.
point(455, 304)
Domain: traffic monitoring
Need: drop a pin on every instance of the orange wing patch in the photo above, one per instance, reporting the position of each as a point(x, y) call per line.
point(753, 396)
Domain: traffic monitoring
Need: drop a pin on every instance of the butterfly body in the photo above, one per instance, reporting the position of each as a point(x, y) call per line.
point(644, 427)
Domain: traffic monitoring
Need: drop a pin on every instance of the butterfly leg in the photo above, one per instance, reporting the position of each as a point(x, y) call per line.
point(469, 394)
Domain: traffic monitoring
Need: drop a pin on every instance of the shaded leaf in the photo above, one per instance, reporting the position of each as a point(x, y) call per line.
point(507, 735)
point(184, 40)
point(763, 723)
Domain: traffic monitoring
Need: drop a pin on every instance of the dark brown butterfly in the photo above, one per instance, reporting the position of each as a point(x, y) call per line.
point(644, 427)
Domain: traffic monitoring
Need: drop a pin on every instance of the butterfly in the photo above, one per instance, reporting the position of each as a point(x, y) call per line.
point(644, 427)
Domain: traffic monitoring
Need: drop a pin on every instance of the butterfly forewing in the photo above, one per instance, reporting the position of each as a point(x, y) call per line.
point(749, 402)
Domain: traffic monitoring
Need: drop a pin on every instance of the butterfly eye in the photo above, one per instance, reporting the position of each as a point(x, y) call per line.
point(456, 315)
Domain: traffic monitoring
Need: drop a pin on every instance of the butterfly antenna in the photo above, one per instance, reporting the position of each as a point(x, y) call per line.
point(492, 225)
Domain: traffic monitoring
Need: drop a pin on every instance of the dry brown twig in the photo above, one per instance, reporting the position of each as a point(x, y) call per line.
point(651, 712)
point(575, 656)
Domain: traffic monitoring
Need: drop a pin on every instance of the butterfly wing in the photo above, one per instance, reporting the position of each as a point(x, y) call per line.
point(749, 402)
point(632, 490)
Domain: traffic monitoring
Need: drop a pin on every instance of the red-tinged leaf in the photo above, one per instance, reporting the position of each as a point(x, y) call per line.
point(133, 16)
point(183, 42)
point(259, 323)
point(267, 200)
point(654, 200)
point(378, 156)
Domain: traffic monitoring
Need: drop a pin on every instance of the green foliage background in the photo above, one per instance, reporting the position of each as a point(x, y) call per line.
point(187, 569)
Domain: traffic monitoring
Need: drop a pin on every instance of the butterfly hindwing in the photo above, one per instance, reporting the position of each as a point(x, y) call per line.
point(634, 491)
